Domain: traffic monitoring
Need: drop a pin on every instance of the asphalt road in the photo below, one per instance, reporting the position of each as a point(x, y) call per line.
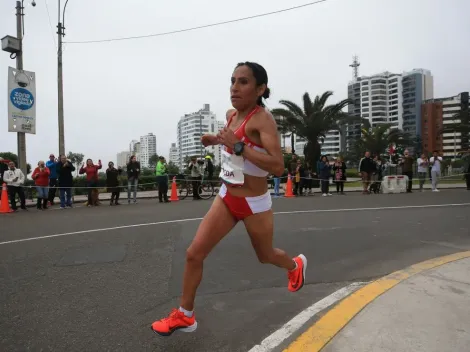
point(101, 290)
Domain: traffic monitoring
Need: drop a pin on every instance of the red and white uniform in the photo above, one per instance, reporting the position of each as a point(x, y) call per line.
point(233, 169)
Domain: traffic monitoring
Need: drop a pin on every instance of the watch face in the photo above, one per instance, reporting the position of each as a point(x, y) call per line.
point(238, 148)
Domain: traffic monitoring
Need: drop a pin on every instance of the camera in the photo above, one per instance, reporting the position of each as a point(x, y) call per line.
point(33, 3)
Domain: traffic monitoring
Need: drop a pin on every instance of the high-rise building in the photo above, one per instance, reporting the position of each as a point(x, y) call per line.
point(148, 148)
point(389, 98)
point(331, 145)
point(133, 146)
point(174, 156)
point(122, 158)
point(435, 115)
point(190, 129)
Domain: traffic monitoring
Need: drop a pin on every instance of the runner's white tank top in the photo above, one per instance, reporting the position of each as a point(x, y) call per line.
point(234, 166)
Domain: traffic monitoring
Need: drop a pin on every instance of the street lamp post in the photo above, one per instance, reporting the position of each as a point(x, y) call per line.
point(60, 82)
point(15, 47)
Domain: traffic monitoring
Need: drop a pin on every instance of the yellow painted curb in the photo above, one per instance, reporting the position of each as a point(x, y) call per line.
point(317, 336)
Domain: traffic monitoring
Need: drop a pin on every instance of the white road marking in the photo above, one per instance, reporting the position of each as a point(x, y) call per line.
point(288, 329)
point(196, 219)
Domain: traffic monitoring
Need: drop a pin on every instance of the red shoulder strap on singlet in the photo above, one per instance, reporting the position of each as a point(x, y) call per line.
point(247, 118)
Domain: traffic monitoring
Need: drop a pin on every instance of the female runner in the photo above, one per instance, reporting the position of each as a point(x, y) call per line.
point(251, 152)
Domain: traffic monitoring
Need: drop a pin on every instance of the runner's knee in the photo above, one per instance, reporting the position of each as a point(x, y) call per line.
point(194, 256)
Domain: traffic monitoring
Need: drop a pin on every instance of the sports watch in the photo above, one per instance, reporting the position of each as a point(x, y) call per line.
point(238, 148)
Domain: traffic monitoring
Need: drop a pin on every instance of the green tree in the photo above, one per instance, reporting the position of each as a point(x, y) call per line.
point(153, 160)
point(378, 139)
point(172, 168)
point(13, 157)
point(311, 122)
point(76, 159)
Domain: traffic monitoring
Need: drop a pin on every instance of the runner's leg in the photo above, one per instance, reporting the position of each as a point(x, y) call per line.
point(216, 225)
point(260, 228)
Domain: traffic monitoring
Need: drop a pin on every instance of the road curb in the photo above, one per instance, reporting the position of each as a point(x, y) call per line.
point(326, 328)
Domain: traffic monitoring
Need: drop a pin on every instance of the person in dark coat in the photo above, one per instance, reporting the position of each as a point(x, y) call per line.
point(65, 171)
point(112, 183)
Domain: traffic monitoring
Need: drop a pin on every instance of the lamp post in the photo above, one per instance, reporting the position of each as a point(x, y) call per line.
point(15, 47)
point(60, 83)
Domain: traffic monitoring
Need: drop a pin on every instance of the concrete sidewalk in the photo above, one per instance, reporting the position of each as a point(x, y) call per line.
point(154, 194)
point(429, 311)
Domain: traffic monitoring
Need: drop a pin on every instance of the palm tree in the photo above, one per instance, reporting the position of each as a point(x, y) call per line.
point(311, 122)
point(379, 138)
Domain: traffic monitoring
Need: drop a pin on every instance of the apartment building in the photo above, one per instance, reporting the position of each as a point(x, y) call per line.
point(439, 113)
point(174, 156)
point(148, 148)
point(190, 129)
point(389, 98)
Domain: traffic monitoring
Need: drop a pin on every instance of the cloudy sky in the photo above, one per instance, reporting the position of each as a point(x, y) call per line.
point(117, 91)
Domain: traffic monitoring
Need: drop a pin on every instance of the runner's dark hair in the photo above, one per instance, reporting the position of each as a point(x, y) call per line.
point(261, 77)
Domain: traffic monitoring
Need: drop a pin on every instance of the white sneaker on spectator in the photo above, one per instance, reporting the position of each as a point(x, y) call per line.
point(435, 190)
point(324, 195)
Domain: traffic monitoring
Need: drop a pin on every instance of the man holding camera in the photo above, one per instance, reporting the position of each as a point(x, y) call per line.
point(197, 168)
point(14, 178)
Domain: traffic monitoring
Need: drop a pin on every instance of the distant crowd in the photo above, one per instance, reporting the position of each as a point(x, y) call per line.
point(57, 175)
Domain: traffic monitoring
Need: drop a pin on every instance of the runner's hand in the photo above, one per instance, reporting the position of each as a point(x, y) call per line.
point(227, 138)
point(209, 139)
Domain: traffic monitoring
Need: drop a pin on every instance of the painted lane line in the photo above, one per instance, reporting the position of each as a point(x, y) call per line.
point(330, 324)
point(313, 211)
point(100, 230)
point(288, 329)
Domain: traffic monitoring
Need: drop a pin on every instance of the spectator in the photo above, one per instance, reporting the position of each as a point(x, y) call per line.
point(3, 168)
point(423, 164)
point(112, 183)
point(14, 178)
point(209, 167)
point(325, 173)
point(366, 169)
point(133, 173)
point(161, 172)
point(435, 162)
point(339, 169)
point(91, 172)
point(41, 180)
point(52, 166)
point(466, 167)
point(407, 169)
point(298, 180)
point(195, 167)
point(65, 171)
point(277, 183)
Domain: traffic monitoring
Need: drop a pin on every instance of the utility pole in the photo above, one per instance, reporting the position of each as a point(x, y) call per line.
point(60, 83)
point(22, 165)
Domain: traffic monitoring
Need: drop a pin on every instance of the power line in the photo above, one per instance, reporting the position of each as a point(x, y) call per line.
point(199, 27)
point(50, 24)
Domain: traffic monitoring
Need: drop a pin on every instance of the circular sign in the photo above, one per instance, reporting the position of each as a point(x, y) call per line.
point(22, 98)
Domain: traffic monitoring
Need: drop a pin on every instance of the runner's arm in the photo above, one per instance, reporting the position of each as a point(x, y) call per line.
point(273, 161)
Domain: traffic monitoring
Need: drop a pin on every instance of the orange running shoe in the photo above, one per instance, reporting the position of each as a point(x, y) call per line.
point(175, 321)
point(297, 277)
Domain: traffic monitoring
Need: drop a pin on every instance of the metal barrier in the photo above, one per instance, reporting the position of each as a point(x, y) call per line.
point(394, 184)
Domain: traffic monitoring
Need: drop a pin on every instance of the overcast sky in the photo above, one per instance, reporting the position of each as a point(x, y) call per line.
point(117, 91)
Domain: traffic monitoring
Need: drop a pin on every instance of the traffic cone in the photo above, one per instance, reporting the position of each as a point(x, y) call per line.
point(4, 204)
point(174, 193)
point(288, 193)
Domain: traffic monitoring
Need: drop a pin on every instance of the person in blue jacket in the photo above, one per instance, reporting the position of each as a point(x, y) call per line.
point(324, 175)
point(51, 164)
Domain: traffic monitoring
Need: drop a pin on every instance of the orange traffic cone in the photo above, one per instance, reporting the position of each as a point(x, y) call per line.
point(288, 193)
point(174, 193)
point(4, 204)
